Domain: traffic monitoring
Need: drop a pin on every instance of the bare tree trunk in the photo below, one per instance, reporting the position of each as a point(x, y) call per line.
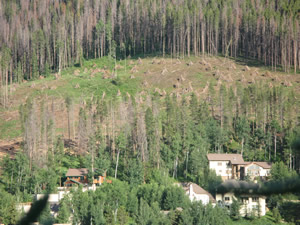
point(295, 56)
point(242, 146)
point(275, 140)
point(117, 163)
point(186, 163)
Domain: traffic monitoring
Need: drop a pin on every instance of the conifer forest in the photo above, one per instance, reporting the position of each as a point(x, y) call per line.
point(140, 92)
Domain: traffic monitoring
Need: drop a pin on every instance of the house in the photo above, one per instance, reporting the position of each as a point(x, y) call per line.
point(196, 193)
point(228, 166)
point(255, 169)
point(76, 176)
point(80, 176)
point(242, 191)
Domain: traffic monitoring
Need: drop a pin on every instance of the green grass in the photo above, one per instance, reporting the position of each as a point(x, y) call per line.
point(264, 220)
point(89, 86)
point(8, 129)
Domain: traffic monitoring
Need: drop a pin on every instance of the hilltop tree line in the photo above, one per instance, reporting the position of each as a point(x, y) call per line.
point(40, 36)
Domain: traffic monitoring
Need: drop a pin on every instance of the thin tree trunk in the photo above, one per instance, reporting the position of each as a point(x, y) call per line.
point(117, 163)
point(275, 140)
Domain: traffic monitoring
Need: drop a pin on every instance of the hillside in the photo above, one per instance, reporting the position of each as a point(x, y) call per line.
point(147, 101)
point(139, 78)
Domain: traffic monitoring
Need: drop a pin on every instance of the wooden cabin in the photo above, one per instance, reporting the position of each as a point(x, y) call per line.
point(80, 176)
point(76, 177)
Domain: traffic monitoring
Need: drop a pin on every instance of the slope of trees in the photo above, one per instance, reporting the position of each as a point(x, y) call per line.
point(127, 137)
point(145, 143)
point(40, 36)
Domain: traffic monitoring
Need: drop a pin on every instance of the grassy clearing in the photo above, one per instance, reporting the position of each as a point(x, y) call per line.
point(8, 129)
point(85, 85)
point(264, 220)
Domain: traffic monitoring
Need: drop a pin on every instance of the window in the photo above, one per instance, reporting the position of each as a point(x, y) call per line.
point(244, 199)
point(219, 164)
point(227, 198)
point(220, 171)
point(255, 199)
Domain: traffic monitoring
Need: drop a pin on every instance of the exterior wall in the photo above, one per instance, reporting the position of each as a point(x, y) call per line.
point(204, 198)
point(23, 207)
point(265, 172)
point(248, 206)
point(221, 198)
point(196, 197)
point(222, 168)
point(53, 198)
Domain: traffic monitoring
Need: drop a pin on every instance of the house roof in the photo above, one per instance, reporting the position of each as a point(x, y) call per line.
point(77, 172)
point(198, 190)
point(265, 165)
point(233, 158)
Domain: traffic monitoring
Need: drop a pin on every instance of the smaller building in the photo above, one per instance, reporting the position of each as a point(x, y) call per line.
point(196, 193)
point(258, 169)
point(80, 176)
point(76, 176)
point(250, 202)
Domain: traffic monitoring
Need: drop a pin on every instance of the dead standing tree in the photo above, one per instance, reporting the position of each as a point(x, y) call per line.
point(142, 137)
point(31, 133)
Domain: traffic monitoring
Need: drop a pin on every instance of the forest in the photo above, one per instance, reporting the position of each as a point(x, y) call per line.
point(148, 146)
point(37, 37)
point(73, 88)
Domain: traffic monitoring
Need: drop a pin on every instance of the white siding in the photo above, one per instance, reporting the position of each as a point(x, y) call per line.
point(199, 197)
point(261, 171)
point(264, 172)
point(222, 168)
point(248, 206)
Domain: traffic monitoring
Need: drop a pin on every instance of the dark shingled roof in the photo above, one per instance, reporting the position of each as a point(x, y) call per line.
point(233, 158)
point(77, 172)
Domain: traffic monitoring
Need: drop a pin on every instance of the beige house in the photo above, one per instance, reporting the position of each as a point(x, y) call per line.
point(251, 203)
point(257, 169)
point(228, 166)
point(233, 166)
point(196, 193)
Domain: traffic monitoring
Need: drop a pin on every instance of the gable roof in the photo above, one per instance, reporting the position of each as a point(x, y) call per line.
point(265, 165)
point(77, 172)
point(197, 190)
point(233, 158)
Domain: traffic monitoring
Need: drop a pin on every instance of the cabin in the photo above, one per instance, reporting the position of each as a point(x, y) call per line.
point(228, 166)
point(76, 177)
point(196, 193)
point(250, 202)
